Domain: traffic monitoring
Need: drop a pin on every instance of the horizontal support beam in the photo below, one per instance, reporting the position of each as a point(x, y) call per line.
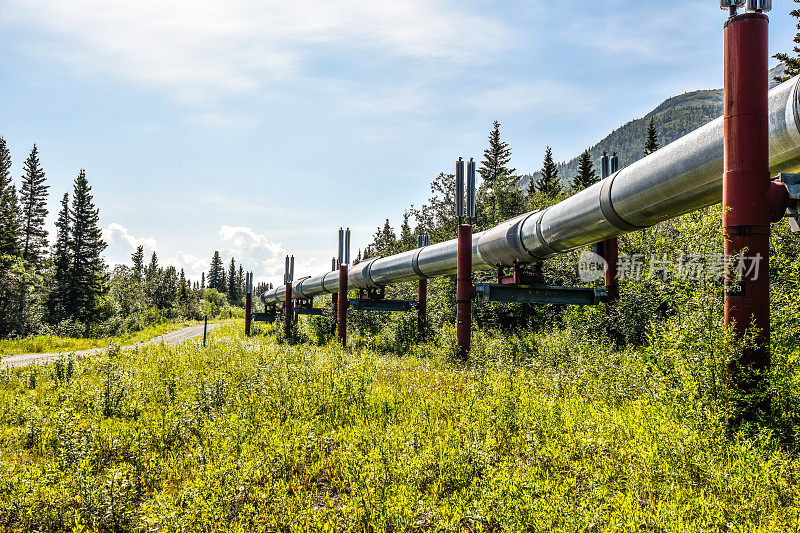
point(306, 311)
point(382, 305)
point(265, 317)
point(538, 294)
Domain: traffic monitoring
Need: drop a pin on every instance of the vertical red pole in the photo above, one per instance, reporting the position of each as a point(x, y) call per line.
point(611, 255)
point(745, 186)
point(422, 307)
point(288, 311)
point(464, 291)
point(341, 326)
point(248, 312)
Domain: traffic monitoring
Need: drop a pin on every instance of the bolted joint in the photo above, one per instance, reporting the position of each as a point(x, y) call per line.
point(731, 5)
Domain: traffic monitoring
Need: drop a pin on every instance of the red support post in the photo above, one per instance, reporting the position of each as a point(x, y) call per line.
point(344, 303)
point(746, 184)
point(610, 253)
point(248, 312)
point(422, 307)
point(288, 311)
point(464, 290)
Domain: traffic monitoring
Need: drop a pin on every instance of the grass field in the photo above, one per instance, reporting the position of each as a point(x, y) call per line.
point(545, 433)
point(53, 344)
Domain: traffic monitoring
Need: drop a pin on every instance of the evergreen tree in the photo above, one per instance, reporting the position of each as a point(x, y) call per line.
point(496, 158)
point(202, 280)
point(548, 184)
point(792, 62)
point(651, 144)
point(233, 289)
point(137, 258)
point(499, 195)
point(586, 176)
point(184, 293)
point(407, 240)
point(59, 295)
point(240, 288)
point(9, 208)
point(85, 247)
point(384, 242)
point(33, 199)
point(153, 266)
point(223, 282)
point(216, 272)
point(12, 271)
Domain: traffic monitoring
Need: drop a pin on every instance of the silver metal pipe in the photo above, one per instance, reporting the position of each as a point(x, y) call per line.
point(681, 177)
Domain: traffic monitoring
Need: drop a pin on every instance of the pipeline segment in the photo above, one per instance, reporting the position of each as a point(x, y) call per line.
point(681, 177)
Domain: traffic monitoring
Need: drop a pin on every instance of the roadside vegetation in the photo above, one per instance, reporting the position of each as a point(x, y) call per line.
point(54, 344)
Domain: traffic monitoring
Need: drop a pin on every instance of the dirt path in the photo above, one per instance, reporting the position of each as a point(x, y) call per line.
point(173, 337)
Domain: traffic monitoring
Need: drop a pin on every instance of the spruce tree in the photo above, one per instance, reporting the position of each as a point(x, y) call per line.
point(12, 272)
point(651, 144)
point(586, 176)
point(407, 240)
point(792, 62)
point(202, 280)
point(548, 184)
point(233, 289)
point(495, 158)
point(215, 273)
point(137, 258)
point(240, 288)
point(9, 208)
point(153, 266)
point(499, 191)
point(59, 295)
point(85, 247)
point(183, 296)
point(33, 199)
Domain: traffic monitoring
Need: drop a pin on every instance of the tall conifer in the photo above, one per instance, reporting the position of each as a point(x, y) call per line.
point(9, 208)
point(651, 144)
point(137, 258)
point(59, 295)
point(549, 183)
point(214, 280)
point(586, 176)
point(86, 246)
point(233, 289)
point(33, 200)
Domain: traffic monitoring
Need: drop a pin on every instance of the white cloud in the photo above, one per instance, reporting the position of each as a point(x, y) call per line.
point(254, 251)
point(121, 243)
point(192, 266)
point(202, 50)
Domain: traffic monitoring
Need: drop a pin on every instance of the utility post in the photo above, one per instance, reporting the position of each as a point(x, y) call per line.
point(464, 288)
point(248, 303)
point(334, 299)
point(609, 249)
point(746, 186)
point(288, 307)
point(343, 302)
point(422, 289)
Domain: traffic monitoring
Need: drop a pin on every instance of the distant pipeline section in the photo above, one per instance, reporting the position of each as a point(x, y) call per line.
point(681, 177)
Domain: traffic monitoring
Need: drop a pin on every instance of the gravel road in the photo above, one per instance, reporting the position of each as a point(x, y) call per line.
point(173, 337)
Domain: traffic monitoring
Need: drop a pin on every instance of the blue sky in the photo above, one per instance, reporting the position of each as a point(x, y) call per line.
point(260, 127)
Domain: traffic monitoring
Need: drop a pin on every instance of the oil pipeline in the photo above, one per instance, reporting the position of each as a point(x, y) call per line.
point(744, 159)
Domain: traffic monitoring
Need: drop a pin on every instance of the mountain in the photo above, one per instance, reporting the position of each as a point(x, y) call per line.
point(674, 118)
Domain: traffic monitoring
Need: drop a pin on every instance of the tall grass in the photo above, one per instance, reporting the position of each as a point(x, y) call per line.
point(542, 432)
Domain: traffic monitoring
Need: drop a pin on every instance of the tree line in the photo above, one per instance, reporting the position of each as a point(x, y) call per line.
point(66, 288)
point(500, 196)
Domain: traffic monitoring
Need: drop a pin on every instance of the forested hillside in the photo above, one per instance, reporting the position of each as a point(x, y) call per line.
point(673, 118)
